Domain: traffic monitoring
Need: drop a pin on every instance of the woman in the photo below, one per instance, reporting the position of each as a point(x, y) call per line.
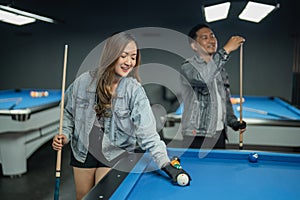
point(107, 110)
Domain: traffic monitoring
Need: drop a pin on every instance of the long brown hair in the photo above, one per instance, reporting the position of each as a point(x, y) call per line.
point(112, 50)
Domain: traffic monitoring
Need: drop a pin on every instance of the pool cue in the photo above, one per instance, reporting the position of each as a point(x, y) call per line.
point(262, 112)
point(241, 145)
point(16, 100)
point(16, 103)
point(58, 157)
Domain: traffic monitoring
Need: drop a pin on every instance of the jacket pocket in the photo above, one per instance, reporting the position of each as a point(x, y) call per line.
point(201, 89)
point(123, 121)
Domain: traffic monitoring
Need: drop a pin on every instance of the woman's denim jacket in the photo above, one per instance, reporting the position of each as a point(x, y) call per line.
point(132, 120)
point(199, 95)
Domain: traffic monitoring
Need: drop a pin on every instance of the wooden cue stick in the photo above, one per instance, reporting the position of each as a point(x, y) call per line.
point(58, 157)
point(16, 99)
point(241, 96)
point(262, 112)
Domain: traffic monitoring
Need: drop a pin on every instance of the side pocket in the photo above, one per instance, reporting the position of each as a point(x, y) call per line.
point(195, 116)
point(81, 106)
point(199, 107)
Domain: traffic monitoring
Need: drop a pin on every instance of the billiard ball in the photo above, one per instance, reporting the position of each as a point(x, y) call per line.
point(35, 94)
point(236, 100)
point(176, 164)
point(45, 93)
point(253, 157)
point(183, 179)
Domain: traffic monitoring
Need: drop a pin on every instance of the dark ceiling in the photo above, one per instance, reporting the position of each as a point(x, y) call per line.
point(91, 15)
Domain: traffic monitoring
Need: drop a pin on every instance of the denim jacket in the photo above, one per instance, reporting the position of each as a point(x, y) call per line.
point(199, 95)
point(132, 120)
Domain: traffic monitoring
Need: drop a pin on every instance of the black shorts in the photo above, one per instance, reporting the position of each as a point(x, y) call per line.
point(95, 157)
point(90, 162)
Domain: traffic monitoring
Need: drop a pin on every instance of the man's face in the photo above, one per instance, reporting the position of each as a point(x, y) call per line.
point(207, 40)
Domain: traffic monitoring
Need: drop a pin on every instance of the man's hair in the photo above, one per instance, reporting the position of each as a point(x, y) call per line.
point(193, 32)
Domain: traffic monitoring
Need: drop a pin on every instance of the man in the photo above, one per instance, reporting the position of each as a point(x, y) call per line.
point(206, 95)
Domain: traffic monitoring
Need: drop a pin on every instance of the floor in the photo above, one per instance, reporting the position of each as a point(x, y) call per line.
point(39, 181)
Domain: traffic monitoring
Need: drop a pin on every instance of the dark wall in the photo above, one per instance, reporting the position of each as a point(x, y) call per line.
point(33, 57)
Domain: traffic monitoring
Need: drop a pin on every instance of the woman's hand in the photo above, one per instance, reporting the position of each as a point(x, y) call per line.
point(59, 141)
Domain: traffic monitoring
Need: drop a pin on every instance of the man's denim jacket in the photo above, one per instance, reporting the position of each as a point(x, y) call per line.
point(199, 95)
point(132, 120)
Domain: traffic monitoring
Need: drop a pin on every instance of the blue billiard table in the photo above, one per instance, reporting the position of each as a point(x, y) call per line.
point(271, 121)
point(25, 124)
point(216, 174)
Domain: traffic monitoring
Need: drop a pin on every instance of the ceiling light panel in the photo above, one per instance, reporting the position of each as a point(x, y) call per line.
point(216, 12)
point(15, 19)
point(255, 12)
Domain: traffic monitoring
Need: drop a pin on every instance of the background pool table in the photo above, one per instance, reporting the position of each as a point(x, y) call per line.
point(216, 174)
point(26, 123)
point(262, 129)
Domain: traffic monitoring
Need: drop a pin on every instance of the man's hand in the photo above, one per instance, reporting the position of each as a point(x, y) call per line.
point(237, 125)
point(233, 43)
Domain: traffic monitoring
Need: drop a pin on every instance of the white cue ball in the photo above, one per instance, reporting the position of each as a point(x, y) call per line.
point(182, 179)
point(46, 94)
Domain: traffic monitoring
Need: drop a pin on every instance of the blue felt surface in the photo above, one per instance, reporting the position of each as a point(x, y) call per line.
point(26, 100)
point(224, 175)
point(271, 105)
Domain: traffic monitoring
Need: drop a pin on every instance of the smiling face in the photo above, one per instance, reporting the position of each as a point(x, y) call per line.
point(206, 38)
point(127, 61)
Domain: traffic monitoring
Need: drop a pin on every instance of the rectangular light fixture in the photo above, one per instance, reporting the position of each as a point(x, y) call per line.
point(15, 19)
point(255, 12)
point(19, 17)
point(216, 12)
